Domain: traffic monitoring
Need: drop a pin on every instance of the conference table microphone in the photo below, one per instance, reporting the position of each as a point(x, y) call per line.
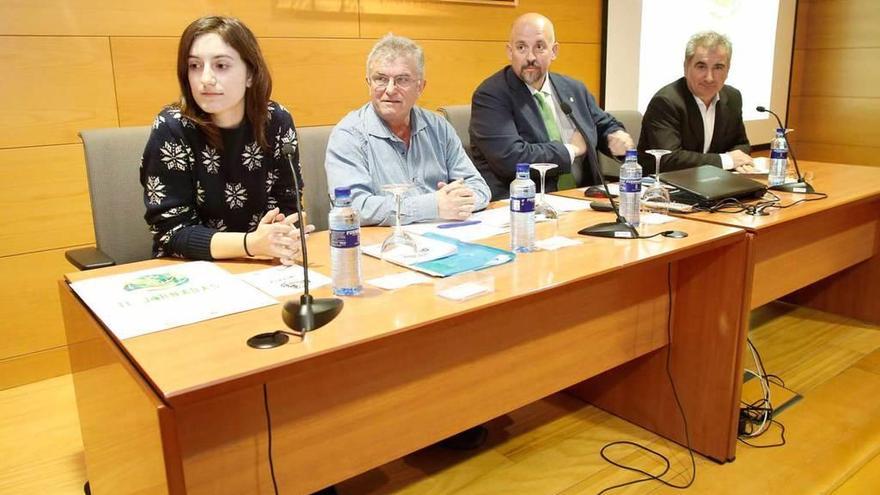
point(801, 186)
point(309, 313)
point(618, 229)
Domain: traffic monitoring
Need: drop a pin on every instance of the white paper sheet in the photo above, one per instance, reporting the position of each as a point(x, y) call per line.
point(557, 242)
point(464, 291)
point(653, 218)
point(428, 249)
point(563, 204)
point(399, 280)
point(146, 301)
point(492, 222)
point(280, 281)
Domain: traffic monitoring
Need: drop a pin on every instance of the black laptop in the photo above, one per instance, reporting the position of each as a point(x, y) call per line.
point(708, 184)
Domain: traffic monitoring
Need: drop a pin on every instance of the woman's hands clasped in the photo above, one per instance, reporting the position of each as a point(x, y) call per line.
point(277, 237)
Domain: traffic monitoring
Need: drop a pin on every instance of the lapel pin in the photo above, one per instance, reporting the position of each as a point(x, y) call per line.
point(571, 99)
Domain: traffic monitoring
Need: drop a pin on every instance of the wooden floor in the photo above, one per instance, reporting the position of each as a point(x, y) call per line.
point(552, 446)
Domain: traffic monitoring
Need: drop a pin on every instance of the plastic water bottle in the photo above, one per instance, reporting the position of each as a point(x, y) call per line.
point(522, 211)
point(345, 245)
point(778, 159)
point(630, 188)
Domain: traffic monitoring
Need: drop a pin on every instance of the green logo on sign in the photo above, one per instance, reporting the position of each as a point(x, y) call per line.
point(157, 281)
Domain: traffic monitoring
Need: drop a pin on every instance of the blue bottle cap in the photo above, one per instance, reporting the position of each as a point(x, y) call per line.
point(631, 153)
point(342, 192)
point(522, 167)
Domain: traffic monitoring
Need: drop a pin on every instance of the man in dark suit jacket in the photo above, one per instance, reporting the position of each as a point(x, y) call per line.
point(698, 117)
point(517, 116)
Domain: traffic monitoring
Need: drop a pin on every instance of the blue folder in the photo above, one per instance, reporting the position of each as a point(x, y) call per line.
point(467, 257)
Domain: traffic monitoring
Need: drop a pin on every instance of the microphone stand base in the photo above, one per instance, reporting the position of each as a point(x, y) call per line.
point(614, 230)
point(800, 187)
point(310, 313)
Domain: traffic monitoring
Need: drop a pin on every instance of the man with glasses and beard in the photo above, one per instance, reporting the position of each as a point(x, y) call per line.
point(390, 141)
point(517, 116)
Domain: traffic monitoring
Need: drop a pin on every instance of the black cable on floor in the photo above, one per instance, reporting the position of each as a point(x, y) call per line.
point(687, 436)
point(760, 411)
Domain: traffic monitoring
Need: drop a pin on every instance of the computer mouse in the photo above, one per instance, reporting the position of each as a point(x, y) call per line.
point(596, 192)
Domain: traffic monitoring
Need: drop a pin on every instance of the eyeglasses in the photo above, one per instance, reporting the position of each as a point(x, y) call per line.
point(381, 81)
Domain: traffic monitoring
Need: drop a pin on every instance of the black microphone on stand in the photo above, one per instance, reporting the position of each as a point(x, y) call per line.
point(619, 228)
point(801, 186)
point(309, 313)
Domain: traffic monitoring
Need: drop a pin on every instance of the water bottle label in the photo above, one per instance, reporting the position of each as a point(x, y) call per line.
point(522, 205)
point(631, 185)
point(345, 238)
point(778, 154)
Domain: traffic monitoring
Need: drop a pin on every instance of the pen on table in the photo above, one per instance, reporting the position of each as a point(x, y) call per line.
point(457, 224)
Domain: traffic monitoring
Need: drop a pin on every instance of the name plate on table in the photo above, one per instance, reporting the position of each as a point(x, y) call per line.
point(146, 301)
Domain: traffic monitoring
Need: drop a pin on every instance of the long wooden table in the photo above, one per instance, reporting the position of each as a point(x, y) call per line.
point(822, 254)
point(182, 411)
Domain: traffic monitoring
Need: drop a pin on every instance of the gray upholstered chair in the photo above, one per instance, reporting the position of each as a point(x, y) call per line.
point(460, 118)
point(312, 151)
point(112, 163)
point(632, 120)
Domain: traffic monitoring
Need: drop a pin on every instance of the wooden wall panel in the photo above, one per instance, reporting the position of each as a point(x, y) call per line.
point(454, 69)
point(851, 73)
point(34, 367)
point(30, 305)
point(144, 70)
point(842, 23)
point(801, 24)
point(44, 199)
point(834, 93)
point(838, 153)
point(318, 80)
point(575, 21)
point(301, 19)
point(847, 121)
point(330, 72)
point(797, 75)
point(53, 87)
point(287, 18)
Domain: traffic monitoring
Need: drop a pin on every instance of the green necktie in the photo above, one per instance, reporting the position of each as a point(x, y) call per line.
point(547, 116)
point(564, 181)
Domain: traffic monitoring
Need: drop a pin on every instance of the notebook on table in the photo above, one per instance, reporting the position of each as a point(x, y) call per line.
point(708, 184)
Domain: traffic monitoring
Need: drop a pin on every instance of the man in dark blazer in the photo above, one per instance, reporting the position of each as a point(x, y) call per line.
point(698, 117)
point(517, 116)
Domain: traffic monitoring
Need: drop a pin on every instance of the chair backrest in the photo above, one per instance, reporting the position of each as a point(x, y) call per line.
point(460, 118)
point(632, 120)
point(312, 151)
point(112, 163)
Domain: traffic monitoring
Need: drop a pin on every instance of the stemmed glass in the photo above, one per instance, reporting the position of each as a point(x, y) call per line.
point(542, 207)
point(399, 243)
point(655, 196)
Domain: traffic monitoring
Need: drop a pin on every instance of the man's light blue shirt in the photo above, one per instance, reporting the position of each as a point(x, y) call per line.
point(364, 154)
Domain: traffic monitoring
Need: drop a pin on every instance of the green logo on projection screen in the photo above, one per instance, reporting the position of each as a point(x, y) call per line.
point(157, 281)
